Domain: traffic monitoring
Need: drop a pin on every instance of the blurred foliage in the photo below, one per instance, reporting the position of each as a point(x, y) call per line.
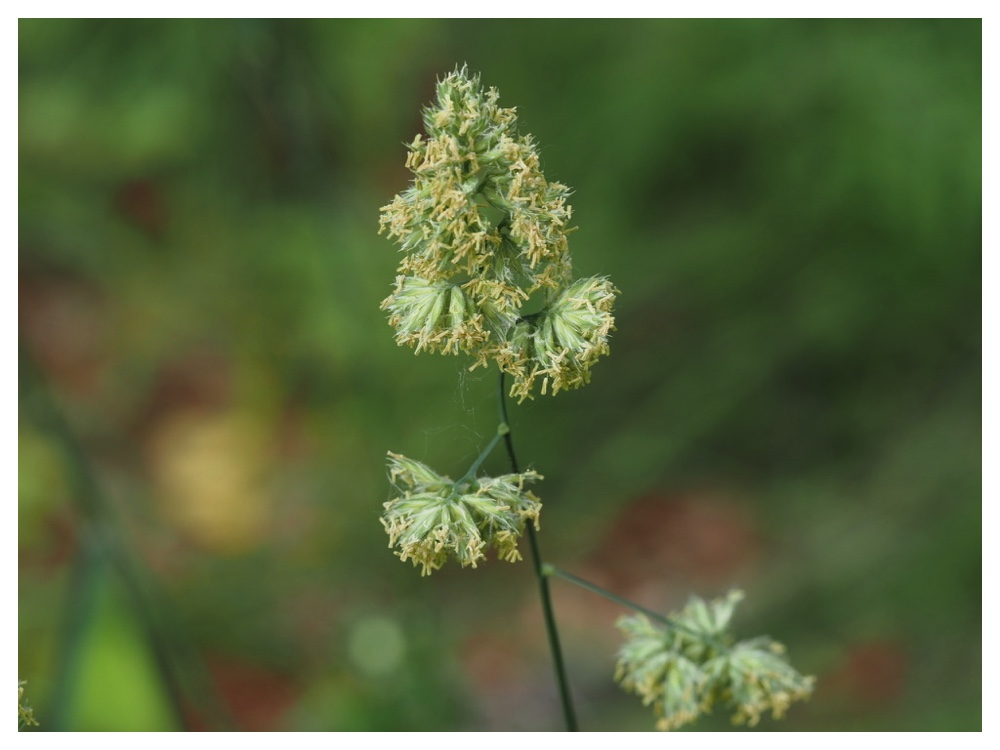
point(792, 210)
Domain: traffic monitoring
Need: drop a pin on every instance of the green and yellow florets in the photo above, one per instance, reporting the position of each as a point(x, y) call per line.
point(683, 668)
point(483, 232)
point(434, 518)
point(25, 714)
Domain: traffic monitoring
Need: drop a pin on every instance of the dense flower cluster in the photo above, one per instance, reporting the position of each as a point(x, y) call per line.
point(483, 232)
point(434, 518)
point(683, 668)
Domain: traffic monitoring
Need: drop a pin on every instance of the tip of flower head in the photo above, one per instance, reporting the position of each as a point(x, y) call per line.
point(483, 232)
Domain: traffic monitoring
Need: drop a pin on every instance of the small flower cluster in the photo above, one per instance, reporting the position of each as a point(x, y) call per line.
point(25, 714)
point(683, 668)
point(435, 518)
point(483, 231)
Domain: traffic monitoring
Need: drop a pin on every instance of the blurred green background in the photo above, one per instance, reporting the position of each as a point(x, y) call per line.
point(792, 211)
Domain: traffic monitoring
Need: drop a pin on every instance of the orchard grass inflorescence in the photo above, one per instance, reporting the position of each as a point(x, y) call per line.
point(483, 234)
point(486, 272)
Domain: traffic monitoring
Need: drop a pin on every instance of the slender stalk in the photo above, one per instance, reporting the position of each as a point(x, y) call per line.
point(471, 473)
point(552, 570)
point(569, 715)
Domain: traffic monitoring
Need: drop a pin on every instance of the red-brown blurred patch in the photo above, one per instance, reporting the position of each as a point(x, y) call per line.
point(292, 440)
point(502, 677)
point(141, 202)
point(199, 380)
point(63, 322)
point(256, 698)
point(310, 616)
point(700, 538)
point(55, 545)
point(493, 662)
point(871, 674)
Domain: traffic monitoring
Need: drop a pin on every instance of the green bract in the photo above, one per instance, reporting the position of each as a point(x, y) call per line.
point(483, 232)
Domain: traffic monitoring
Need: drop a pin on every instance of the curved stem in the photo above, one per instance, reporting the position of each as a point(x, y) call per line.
point(569, 714)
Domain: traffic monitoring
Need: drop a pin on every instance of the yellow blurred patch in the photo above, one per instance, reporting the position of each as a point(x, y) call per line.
point(209, 471)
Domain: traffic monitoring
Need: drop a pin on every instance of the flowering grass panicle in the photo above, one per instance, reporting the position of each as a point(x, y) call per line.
point(434, 518)
point(483, 234)
point(684, 667)
point(486, 272)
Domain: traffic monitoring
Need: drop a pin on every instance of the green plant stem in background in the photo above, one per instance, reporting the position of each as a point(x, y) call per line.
point(569, 715)
point(103, 543)
point(80, 597)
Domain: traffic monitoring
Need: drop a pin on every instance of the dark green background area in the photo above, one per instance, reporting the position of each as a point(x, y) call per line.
point(792, 212)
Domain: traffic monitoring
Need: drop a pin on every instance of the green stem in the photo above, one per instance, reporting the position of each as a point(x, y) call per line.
point(552, 570)
point(569, 715)
point(502, 431)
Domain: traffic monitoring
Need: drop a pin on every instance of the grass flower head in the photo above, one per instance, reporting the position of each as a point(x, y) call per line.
point(434, 518)
point(683, 668)
point(483, 233)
